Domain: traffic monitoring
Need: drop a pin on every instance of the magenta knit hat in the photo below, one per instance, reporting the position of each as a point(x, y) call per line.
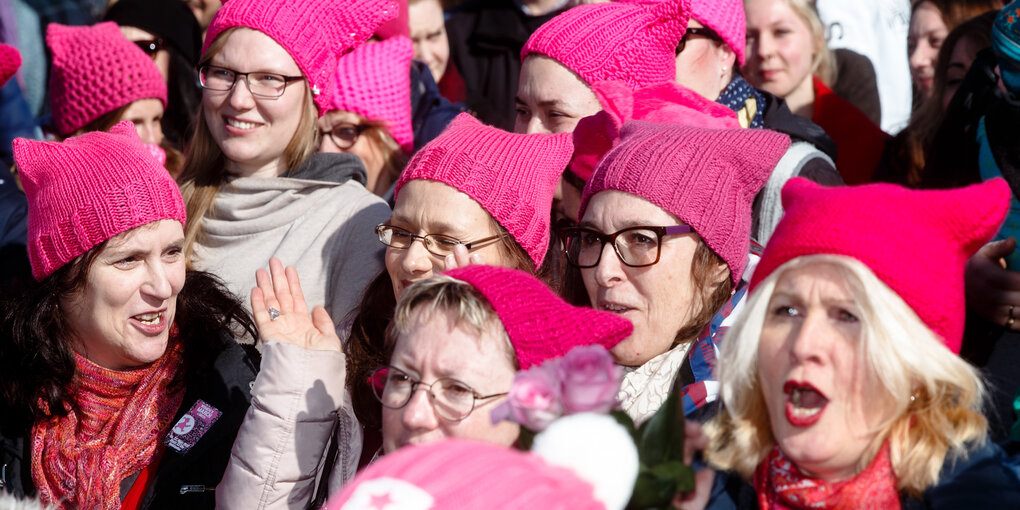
point(631, 42)
point(726, 18)
point(455, 474)
point(87, 189)
point(665, 103)
point(512, 176)
point(314, 32)
point(95, 71)
point(10, 61)
point(884, 226)
point(705, 177)
point(374, 81)
point(540, 324)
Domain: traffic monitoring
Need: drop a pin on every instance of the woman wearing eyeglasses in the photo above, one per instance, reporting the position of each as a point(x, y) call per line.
point(663, 241)
point(370, 114)
point(254, 185)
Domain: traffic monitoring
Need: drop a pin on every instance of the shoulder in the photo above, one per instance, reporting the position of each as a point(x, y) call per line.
point(980, 479)
point(778, 117)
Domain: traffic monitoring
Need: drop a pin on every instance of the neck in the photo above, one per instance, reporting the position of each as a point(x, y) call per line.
point(265, 170)
point(540, 7)
point(802, 100)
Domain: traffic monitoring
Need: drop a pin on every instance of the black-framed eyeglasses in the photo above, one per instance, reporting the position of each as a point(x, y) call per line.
point(260, 84)
point(151, 46)
point(452, 400)
point(705, 32)
point(346, 135)
point(437, 244)
point(638, 246)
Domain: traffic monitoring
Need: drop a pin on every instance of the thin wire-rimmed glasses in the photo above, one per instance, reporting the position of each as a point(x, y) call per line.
point(260, 84)
point(437, 244)
point(705, 32)
point(453, 400)
point(346, 135)
point(637, 246)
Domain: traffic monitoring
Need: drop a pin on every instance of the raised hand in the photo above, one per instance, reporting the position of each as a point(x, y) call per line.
point(279, 291)
point(992, 290)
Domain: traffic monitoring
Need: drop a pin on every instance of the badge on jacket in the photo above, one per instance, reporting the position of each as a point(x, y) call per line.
point(191, 427)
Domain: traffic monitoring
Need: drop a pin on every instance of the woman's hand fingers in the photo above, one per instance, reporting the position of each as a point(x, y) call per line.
point(326, 338)
point(698, 498)
point(297, 295)
point(462, 258)
point(281, 313)
point(281, 285)
point(991, 290)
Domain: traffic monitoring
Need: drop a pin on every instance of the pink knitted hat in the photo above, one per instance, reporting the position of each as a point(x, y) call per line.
point(665, 103)
point(314, 32)
point(10, 61)
point(541, 325)
point(88, 189)
point(884, 226)
point(374, 81)
point(455, 473)
point(705, 177)
point(95, 71)
point(726, 18)
point(632, 42)
point(512, 176)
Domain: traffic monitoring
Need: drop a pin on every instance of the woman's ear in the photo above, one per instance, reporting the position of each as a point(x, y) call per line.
point(720, 273)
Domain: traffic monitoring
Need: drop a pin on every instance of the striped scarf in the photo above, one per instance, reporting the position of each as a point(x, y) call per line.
point(113, 431)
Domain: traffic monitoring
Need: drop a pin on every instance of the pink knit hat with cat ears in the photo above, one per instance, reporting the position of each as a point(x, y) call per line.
point(540, 324)
point(884, 226)
point(512, 176)
point(634, 42)
point(374, 81)
point(665, 103)
point(707, 178)
point(95, 71)
point(314, 32)
point(726, 18)
point(87, 189)
point(10, 61)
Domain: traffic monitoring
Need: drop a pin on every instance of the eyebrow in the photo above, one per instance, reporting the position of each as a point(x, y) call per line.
point(548, 103)
point(435, 227)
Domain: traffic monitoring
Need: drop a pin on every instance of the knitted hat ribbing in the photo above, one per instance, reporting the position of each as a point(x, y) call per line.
point(10, 61)
point(512, 176)
point(314, 32)
point(540, 324)
point(632, 42)
point(374, 81)
point(1006, 44)
point(883, 226)
point(705, 177)
point(726, 18)
point(95, 71)
point(87, 189)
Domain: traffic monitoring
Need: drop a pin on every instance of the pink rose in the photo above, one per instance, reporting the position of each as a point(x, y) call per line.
point(534, 398)
point(590, 380)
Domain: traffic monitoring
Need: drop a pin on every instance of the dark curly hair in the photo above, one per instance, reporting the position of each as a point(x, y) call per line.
point(37, 364)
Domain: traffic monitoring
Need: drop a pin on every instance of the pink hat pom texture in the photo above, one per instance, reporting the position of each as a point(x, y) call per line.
point(512, 176)
point(917, 242)
point(314, 32)
point(726, 18)
point(10, 61)
point(665, 103)
point(632, 42)
point(541, 325)
point(374, 81)
point(457, 474)
point(707, 178)
point(95, 71)
point(87, 189)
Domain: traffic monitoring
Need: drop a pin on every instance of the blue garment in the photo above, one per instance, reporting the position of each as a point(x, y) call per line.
point(989, 169)
point(13, 212)
point(430, 111)
point(737, 92)
point(16, 120)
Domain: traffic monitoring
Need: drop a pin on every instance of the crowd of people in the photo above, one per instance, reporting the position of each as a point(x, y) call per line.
point(636, 253)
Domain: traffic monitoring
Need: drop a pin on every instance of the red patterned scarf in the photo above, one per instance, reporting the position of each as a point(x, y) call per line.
point(79, 460)
point(781, 486)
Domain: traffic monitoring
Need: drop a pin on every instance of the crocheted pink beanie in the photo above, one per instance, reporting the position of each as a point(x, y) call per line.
point(665, 103)
point(95, 71)
point(314, 32)
point(87, 189)
point(632, 42)
point(705, 177)
point(10, 61)
point(541, 325)
point(512, 176)
point(726, 18)
point(374, 81)
point(454, 474)
point(917, 242)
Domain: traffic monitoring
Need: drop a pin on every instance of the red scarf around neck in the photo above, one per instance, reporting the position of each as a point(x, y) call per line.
point(781, 486)
point(79, 460)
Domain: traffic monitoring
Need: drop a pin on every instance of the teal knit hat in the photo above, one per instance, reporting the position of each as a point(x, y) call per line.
point(1006, 43)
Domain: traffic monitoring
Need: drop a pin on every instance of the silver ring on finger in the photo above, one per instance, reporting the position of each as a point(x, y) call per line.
point(273, 313)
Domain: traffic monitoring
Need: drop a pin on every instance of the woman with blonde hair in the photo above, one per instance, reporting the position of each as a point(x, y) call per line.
point(254, 186)
point(841, 385)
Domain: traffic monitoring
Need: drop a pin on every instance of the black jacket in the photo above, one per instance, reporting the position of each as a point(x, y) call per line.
point(180, 481)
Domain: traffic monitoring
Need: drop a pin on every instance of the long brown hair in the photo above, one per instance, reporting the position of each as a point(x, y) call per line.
point(205, 168)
